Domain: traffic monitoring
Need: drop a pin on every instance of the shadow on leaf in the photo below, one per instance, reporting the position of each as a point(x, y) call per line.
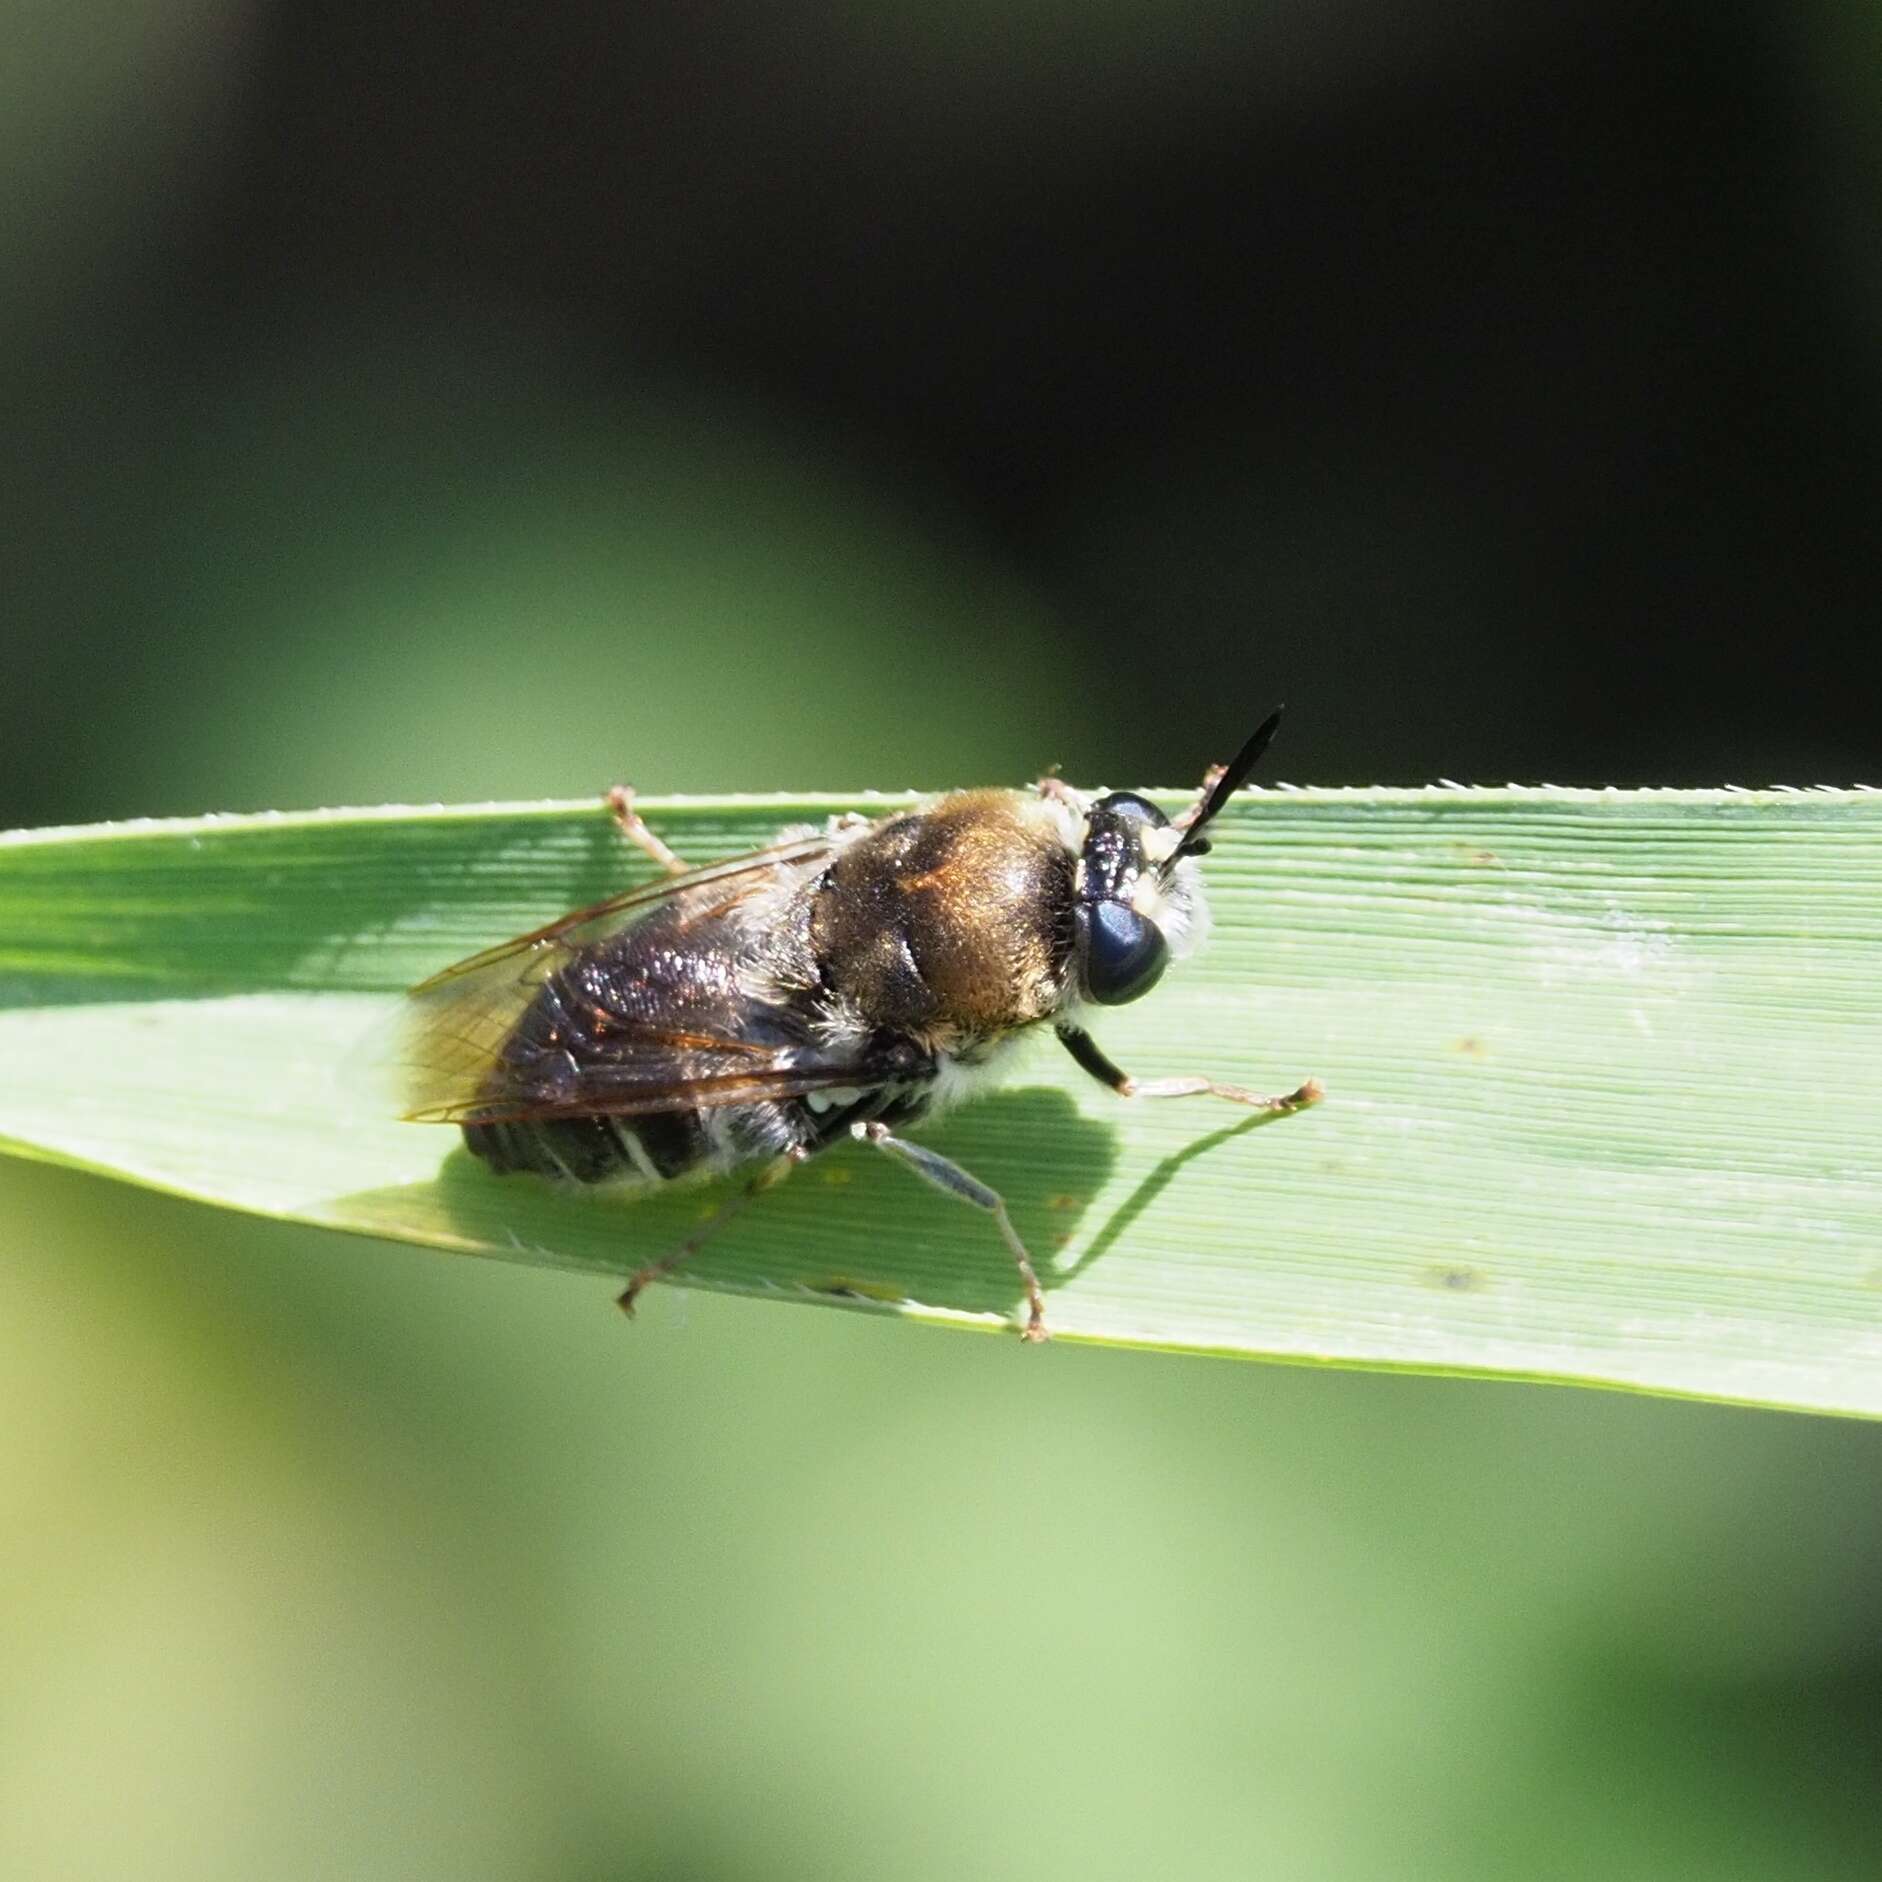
point(1125, 1216)
point(849, 1227)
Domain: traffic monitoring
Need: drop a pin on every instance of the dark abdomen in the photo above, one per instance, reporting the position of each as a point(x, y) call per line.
point(630, 1026)
point(593, 1149)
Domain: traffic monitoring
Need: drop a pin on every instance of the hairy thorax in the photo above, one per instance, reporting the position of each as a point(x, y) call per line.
point(953, 923)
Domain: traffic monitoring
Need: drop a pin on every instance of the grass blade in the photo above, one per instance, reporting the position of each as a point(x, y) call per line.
point(1604, 1075)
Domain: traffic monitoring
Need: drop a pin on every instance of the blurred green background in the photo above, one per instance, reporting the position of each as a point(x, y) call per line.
point(414, 403)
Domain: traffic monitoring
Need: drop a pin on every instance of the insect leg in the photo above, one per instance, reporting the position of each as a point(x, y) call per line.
point(1085, 1050)
point(621, 802)
point(952, 1180)
point(773, 1172)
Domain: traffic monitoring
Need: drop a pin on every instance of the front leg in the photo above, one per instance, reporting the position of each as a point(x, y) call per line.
point(1085, 1050)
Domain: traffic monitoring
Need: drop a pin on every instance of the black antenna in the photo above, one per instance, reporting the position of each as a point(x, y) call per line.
point(1237, 773)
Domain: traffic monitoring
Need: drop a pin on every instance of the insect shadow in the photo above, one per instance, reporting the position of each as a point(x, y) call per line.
point(850, 1226)
point(1125, 1216)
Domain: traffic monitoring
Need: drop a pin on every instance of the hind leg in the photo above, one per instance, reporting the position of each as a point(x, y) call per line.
point(620, 801)
point(773, 1172)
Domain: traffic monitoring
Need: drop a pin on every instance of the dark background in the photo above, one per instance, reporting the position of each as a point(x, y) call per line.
point(1501, 389)
point(406, 403)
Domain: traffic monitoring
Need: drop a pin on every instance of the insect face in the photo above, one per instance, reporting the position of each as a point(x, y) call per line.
point(1120, 948)
point(1137, 890)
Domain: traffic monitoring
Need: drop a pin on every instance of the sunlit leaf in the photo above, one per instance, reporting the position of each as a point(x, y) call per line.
point(1604, 1076)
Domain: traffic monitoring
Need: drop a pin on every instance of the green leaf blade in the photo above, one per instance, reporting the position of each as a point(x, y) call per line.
point(1604, 1077)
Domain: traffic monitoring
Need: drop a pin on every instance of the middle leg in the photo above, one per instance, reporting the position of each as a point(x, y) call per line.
point(952, 1180)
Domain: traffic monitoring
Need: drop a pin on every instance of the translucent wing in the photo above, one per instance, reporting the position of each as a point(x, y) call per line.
point(467, 1057)
point(585, 926)
point(667, 1078)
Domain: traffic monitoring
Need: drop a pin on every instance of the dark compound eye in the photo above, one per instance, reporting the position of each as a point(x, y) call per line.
point(1124, 954)
point(1129, 805)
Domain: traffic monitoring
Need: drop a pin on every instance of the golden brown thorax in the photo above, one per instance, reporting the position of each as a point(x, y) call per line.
point(955, 919)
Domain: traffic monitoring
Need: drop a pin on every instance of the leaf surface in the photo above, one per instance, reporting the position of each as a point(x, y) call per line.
point(1604, 1076)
